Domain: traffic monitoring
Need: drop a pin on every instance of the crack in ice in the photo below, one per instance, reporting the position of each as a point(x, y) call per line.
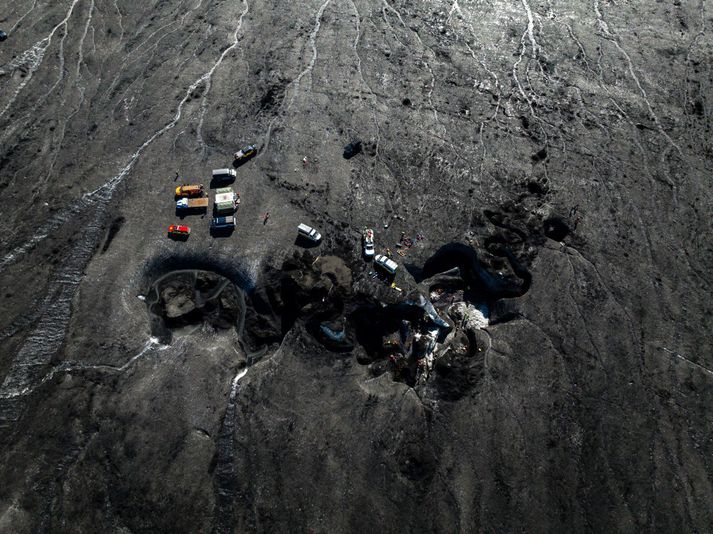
point(69, 367)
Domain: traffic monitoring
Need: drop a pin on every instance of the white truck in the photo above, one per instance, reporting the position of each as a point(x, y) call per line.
point(224, 175)
point(189, 204)
point(226, 200)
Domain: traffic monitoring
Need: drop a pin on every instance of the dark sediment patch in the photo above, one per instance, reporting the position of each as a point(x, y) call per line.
point(555, 228)
point(303, 288)
point(540, 155)
point(114, 228)
point(373, 323)
point(478, 279)
point(460, 370)
point(417, 463)
point(538, 188)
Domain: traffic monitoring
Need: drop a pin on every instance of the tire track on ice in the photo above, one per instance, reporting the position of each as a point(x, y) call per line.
point(71, 366)
point(425, 63)
point(146, 61)
point(14, 26)
point(11, 401)
point(630, 65)
point(296, 82)
point(225, 474)
point(313, 45)
point(138, 53)
point(47, 338)
point(375, 101)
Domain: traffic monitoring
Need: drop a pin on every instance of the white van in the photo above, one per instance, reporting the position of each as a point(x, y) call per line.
point(224, 174)
point(385, 263)
point(309, 233)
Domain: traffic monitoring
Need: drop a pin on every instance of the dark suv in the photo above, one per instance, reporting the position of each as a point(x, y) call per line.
point(223, 223)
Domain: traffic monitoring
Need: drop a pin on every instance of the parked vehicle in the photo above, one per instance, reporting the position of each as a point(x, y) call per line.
point(226, 201)
point(224, 175)
point(223, 223)
point(309, 233)
point(192, 204)
point(179, 230)
point(245, 153)
point(368, 242)
point(387, 264)
point(187, 190)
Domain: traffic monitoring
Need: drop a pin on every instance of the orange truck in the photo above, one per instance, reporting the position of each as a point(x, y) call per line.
point(188, 190)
